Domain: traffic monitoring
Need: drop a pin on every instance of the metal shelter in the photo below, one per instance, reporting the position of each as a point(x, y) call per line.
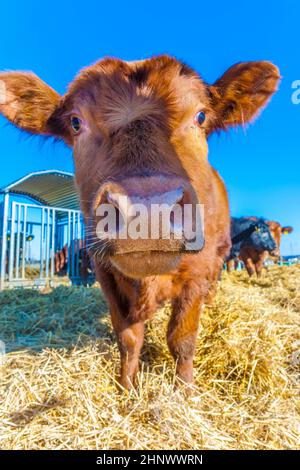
point(39, 219)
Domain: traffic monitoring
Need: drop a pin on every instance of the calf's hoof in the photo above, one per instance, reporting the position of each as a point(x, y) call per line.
point(127, 383)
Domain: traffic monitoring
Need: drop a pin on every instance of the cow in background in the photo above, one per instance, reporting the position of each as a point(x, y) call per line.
point(277, 231)
point(253, 258)
point(63, 257)
point(252, 237)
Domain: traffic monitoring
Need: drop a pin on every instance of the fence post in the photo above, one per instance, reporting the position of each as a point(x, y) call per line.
point(53, 241)
point(4, 240)
point(24, 242)
point(18, 213)
point(47, 242)
point(42, 244)
point(12, 243)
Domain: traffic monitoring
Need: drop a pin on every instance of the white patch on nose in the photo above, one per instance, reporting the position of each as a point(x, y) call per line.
point(2, 92)
point(135, 62)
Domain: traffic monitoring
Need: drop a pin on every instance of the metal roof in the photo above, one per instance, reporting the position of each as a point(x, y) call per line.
point(50, 187)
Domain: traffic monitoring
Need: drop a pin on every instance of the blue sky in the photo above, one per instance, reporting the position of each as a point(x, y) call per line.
point(260, 165)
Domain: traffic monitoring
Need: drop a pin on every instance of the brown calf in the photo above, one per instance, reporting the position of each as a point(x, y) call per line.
point(140, 129)
point(252, 258)
point(63, 256)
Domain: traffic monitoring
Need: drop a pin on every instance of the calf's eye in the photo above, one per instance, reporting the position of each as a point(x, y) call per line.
point(75, 124)
point(200, 118)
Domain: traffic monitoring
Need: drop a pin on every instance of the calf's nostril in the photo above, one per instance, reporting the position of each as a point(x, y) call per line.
point(110, 209)
point(112, 199)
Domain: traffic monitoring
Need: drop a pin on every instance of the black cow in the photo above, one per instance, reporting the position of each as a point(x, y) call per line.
point(252, 234)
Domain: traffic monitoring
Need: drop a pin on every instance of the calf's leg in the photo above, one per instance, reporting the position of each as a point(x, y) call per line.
point(130, 337)
point(129, 330)
point(259, 267)
point(182, 334)
point(249, 266)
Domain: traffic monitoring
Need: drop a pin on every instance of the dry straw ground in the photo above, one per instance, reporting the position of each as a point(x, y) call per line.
point(57, 388)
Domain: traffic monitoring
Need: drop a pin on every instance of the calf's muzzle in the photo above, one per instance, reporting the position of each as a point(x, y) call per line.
point(141, 216)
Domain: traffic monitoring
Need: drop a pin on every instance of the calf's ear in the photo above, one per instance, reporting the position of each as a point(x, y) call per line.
point(286, 230)
point(242, 91)
point(27, 101)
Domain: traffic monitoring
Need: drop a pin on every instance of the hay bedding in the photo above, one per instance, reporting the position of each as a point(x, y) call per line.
point(57, 388)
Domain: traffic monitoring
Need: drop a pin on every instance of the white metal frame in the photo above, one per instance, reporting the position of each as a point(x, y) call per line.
point(13, 267)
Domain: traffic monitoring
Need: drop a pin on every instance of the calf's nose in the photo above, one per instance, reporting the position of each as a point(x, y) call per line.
point(146, 207)
point(162, 215)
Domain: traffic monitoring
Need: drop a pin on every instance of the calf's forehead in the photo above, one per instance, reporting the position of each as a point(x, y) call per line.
point(161, 82)
point(274, 226)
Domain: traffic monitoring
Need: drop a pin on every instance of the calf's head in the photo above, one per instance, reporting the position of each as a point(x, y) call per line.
point(139, 132)
point(277, 231)
point(261, 238)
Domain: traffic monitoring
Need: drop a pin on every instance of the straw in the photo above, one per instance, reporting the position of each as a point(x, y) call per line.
point(57, 381)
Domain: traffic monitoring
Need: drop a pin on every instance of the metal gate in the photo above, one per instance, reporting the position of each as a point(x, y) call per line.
point(32, 236)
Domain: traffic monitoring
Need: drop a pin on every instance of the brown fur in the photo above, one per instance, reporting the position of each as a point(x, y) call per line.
point(139, 118)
